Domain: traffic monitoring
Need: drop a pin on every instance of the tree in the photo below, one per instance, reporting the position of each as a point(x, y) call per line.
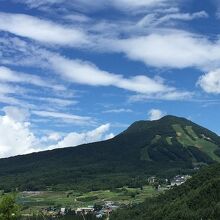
point(9, 210)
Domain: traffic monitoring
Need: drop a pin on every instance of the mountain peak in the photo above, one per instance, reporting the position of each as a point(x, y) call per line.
point(142, 125)
point(173, 118)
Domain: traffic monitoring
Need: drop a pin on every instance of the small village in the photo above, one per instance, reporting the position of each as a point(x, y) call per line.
point(175, 181)
point(99, 211)
point(107, 207)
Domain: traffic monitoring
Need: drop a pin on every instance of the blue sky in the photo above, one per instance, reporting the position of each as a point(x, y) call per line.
point(79, 71)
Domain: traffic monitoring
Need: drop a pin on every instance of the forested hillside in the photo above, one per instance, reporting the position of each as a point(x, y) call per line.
point(198, 198)
point(164, 148)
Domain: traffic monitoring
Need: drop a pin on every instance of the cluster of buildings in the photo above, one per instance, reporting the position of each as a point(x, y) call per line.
point(175, 181)
point(53, 212)
point(104, 210)
point(179, 179)
point(107, 208)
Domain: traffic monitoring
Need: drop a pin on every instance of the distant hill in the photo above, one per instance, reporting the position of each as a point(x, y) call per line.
point(163, 147)
point(198, 198)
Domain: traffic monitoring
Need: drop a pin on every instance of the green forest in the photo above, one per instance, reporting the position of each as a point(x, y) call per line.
point(198, 198)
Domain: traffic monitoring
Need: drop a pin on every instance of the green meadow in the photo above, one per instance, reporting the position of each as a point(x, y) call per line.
point(34, 201)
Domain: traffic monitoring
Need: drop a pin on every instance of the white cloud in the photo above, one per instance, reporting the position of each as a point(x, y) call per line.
point(38, 3)
point(16, 114)
point(183, 16)
point(58, 102)
point(7, 93)
point(87, 73)
point(216, 4)
point(99, 4)
point(74, 138)
point(171, 48)
point(15, 51)
point(120, 110)
point(146, 49)
point(155, 19)
point(155, 114)
point(158, 47)
point(143, 84)
point(109, 136)
point(137, 4)
point(10, 76)
point(210, 82)
point(69, 118)
point(8, 89)
point(77, 18)
point(167, 10)
point(54, 136)
point(10, 100)
point(14, 90)
point(168, 96)
point(176, 49)
point(83, 72)
point(41, 30)
point(16, 137)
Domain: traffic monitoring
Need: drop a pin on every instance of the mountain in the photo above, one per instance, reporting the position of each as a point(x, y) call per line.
point(175, 139)
point(163, 147)
point(198, 198)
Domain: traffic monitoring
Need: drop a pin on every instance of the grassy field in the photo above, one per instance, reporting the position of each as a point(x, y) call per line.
point(34, 201)
point(183, 137)
point(204, 145)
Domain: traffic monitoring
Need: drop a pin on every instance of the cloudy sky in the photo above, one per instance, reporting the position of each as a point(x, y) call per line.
point(79, 71)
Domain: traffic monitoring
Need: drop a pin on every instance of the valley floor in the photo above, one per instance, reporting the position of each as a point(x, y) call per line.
point(51, 202)
point(35, 201)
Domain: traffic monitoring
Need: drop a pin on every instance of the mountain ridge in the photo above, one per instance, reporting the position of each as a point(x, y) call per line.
point(135, 124)
point(163, 147)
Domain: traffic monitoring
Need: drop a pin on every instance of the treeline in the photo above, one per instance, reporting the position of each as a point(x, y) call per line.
point(198, 198)
point(83, 180)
